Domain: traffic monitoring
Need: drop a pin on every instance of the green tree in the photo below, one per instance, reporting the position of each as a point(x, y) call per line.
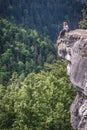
point(44, 16)
point(83, 22)
point(23, 51)
point(40, 102)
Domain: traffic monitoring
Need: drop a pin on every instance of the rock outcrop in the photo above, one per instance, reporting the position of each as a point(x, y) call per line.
point(73, 47)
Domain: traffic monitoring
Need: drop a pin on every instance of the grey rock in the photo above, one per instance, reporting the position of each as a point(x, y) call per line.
point(73, 47)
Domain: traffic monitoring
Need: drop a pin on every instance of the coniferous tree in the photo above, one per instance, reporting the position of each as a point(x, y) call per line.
point(83, 22)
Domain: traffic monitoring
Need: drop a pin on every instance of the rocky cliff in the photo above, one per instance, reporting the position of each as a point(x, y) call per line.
point(73, 47)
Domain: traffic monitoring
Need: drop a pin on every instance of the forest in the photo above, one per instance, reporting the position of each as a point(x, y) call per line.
point(46, 16)
point(35, 91)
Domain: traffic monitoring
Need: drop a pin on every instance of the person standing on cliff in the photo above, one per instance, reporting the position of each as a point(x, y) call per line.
point(64, 30)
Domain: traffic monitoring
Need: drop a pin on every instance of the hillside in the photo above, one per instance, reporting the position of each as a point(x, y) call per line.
point(45, 16)
point(22, 51)
point(40, 102)
point(35, 91)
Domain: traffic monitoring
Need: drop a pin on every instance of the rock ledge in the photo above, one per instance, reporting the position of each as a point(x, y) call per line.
point(73, 47)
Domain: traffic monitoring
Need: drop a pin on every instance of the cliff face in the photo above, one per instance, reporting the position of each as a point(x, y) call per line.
point(73, 47)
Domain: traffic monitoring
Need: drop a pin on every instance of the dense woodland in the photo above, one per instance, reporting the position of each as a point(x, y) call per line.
point(39, 102)
point(22, 51)
point(35, 91)
point(46, 16)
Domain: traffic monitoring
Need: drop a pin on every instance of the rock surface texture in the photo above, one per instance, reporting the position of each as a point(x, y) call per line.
point(73, 47)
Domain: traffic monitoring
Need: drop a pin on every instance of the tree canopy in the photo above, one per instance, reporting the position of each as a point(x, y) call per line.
point(45, 16)
point(40, 102)
point(35, 93)
point(83, 21)
point(22, 51)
